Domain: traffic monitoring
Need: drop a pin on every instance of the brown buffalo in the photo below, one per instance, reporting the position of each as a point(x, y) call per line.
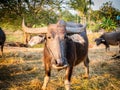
point(65, 47)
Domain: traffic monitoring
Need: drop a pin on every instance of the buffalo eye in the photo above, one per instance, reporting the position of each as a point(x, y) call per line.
point(49, 37)
point(65, 37)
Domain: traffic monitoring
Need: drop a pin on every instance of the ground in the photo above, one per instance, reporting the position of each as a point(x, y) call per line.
point(22, 69)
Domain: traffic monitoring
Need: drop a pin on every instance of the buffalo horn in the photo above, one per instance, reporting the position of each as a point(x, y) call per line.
point(75, 29)
point(33, 30)
point(73, 24)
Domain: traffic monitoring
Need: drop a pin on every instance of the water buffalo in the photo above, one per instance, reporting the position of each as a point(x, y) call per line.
point(65, 47)
point(2, 39)
point(109, 38)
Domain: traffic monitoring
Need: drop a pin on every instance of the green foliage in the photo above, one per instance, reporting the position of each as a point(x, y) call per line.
point(108, 24)
point(95, 16)
point(67, 16)
point(95, 28)
point(42, 18)
point(39, 13)
point(11, 24)
point(108, 11)
point(36, 12)
point(106, 16)
point(81, 5)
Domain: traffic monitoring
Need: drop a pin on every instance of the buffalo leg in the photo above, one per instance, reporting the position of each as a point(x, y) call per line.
point(68, 77)
point(86, 64)
point(47, 76)
point(119, 47)
point(2, 49)
point(107, 48)
point(28, 38)
point(25, 36)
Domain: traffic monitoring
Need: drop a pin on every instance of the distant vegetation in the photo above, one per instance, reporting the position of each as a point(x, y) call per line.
point(40, 13)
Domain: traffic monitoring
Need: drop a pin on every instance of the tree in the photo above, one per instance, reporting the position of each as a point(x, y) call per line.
point(34, 11)
point(82, 6)
point(105, 17)
point(67, 16)
point(108, 11)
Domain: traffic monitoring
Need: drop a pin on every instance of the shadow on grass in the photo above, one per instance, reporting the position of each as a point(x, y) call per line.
point(114, 68)
point(14, 75)
point(5, 77)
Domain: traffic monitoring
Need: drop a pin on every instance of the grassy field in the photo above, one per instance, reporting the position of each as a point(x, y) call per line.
point(22, 69)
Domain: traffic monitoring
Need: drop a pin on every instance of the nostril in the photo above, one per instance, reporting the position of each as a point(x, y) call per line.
point(59, 62)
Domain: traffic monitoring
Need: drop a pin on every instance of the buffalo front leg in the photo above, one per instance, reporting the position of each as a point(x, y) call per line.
point(86, 64)
point(68, 77)
point(47, 76)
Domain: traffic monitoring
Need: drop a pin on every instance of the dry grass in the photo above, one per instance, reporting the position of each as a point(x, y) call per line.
point(22, 69)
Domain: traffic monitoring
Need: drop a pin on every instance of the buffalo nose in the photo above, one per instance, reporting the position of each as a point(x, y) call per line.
point(59, 62)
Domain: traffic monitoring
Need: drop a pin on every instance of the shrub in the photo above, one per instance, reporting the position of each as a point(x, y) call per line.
point(94, 27)
point(108, 24)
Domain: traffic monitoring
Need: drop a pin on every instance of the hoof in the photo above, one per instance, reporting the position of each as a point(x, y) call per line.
point(43, 88)
point(85, 77)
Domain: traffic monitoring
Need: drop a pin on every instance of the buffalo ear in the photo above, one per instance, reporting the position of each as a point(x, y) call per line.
point(77, 38)
point(41, 38)
point(95, 40)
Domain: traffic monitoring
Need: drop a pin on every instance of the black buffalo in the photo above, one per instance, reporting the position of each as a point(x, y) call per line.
point(109, 38)
point(2, 39)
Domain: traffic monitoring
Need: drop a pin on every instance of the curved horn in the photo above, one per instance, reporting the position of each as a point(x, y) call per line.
point(75, 29)
point(73, 24)
point(33, 30)
point(72, 27)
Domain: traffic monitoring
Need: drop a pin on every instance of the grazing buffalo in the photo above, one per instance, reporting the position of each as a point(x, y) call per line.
point(66, 45)
point(2, 39)
point(109, 38)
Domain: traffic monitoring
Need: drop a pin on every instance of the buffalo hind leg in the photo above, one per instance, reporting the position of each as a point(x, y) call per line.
point(47, 76)
point(2, 49)
point(119, 47)
point(68, 77)
point(86, 64)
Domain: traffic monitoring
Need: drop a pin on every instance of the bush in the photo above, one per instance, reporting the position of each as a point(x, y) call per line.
point(108, 24)
point(94, 28)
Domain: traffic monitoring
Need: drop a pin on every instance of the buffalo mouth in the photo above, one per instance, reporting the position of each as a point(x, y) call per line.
point(55, 65)
point(59, 67)
point(98, 44)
